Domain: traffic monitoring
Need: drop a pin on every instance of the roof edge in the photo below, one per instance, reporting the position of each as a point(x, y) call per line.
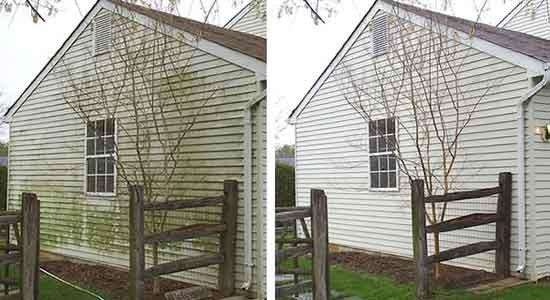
point(239, 15)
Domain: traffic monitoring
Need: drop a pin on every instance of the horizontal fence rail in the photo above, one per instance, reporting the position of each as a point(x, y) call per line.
point(501, 244)
point(227, 231)
point(314, 243)
point(26, 253)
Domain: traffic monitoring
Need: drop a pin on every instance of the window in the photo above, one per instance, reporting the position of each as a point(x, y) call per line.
point(379, 35)
point(102, 33)
point(383, 164)
point(100, 151)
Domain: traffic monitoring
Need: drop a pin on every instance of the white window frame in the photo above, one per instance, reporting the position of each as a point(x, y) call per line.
point(113, 155)
point(397, 171)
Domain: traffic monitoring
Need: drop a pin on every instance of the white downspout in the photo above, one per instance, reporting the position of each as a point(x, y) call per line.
point(248, 181)
point(521, 167)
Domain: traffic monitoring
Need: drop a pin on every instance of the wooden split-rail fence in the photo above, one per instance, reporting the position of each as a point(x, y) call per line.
point(227, 230)
point(314, 243)
point(25, 223)
point(501, 244)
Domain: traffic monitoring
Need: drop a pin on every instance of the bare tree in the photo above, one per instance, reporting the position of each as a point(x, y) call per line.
point(140, 101)
point(41, 10)
point(418, 83)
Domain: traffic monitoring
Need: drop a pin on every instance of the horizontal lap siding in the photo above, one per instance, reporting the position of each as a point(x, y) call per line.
point(532, 18)
point(47, 157)
point(540, 185)
point(254, 21)
point(331, 154)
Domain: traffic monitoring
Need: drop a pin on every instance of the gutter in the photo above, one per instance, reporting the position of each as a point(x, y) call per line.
point(521, 165)
point(248, 180)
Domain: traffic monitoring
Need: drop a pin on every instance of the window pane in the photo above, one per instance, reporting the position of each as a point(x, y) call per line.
point(101, 166)
point(100, 127)
point(374, 163)
point(382, 144)
point(384, 180)
point(91, 165)
point(372, 128)
point(90, 184)
point(384, 162)
point(100, 184)
point(110, 128)
point(393, 181)
point(390, 143)
point(391, 125)
point(109, 145)
point(374, 180)
point(99, 149)
point(392, 163)
point(90, 147)
point(110, 184)
point(381, 126)
point(110, 165)
point(90, 131)
point(372, 145)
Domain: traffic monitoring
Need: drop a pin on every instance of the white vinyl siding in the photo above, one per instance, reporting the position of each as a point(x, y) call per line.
point(47, 152)
point(331, 154)
point(252, 20)
point(540, 182)
point(531, 17)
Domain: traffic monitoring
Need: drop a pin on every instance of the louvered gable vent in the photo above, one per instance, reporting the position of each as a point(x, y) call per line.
point(102, 33)
point(379, 35)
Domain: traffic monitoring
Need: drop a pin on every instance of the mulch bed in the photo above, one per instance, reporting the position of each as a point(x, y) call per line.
point(112, 281)
point(402, 270)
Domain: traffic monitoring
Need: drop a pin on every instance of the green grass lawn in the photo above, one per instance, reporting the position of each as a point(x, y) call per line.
point(51, 289)
point(373, 287)
point(367, 286)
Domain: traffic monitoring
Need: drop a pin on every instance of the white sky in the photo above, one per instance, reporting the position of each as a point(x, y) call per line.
point(299, 50)
point(26, 47)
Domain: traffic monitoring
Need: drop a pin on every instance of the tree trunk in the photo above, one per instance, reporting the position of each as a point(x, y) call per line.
point(156, 280)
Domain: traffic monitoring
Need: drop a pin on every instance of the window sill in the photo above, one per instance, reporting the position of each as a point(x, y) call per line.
point(105, 195)
point(396, 189)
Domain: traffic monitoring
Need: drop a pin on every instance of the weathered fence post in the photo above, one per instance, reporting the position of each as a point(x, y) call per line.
point(137, 247)
point(503, 223)
point(226, 274)
point(319, 232)
point(30, 248)
point(420, 243)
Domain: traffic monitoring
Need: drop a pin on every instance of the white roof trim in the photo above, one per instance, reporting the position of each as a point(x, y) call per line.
point(237, 17)
point(531, 64)
point(233, 56)
point(52, 62)
point(332, 65)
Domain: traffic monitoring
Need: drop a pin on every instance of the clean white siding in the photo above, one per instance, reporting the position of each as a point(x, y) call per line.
point(331, 154)
point(252, 19)
point(47, 157)
point(541, 183)
point(531, 17)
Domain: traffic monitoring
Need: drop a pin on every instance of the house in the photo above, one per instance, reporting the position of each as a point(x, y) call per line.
point(529, 16)
point(125, 72)
point(251, 19)
point(368, 191)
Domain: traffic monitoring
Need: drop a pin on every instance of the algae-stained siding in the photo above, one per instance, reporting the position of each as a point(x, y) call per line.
point(253, 19)
point(531, 17)
point(332, 154)
point(47, 155)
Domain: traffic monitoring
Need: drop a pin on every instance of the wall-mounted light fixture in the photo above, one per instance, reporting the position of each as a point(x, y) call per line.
point(544, 132)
